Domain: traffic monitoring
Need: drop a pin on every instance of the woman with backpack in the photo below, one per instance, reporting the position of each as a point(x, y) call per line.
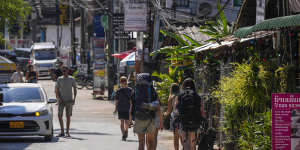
point(123, 106)
point(190, 114)
point(173, 112)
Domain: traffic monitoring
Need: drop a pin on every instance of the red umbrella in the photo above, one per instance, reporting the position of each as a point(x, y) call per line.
point(122, 54)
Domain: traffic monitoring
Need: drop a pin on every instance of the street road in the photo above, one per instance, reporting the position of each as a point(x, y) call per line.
point(93, 127)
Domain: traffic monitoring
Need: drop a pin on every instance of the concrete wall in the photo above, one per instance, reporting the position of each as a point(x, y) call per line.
point(51, 34)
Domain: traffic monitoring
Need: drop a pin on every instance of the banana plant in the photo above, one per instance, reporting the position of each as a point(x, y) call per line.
point(217, 29)
point(179, 61)
point(180, 52)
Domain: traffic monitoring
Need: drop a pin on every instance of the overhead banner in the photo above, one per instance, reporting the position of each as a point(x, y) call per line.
point(285, 121)
point(135, 15)
point(98, 28)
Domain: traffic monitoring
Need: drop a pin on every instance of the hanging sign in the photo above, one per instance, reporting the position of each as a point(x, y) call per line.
point(118, 27)
point(285, 121)
point(135, 15)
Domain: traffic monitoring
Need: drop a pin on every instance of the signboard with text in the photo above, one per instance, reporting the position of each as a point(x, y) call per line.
point(285, 121)
point(99, 65)
point(135, 15)
point(118, 24)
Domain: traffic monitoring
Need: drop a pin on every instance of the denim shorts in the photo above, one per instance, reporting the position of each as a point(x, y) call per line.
point(32, 81)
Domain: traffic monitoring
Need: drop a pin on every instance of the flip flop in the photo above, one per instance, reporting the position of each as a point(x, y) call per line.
point(68, 135)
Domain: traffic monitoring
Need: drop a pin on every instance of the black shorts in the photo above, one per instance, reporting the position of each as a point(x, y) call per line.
point(123, 115)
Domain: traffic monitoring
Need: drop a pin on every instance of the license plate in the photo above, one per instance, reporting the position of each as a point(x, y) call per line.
point(18, 125)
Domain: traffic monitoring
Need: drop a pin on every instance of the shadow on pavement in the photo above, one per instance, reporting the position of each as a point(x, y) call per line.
point(75, 138)
point(132, 141)
point(82, 132)
point(89, 133)
point(21, 142)
point(18, 139)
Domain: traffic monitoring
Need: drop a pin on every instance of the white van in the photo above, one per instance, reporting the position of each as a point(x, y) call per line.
point(43, 57)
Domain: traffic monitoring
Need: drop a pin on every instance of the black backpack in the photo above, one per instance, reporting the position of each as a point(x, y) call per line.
point(189, 108)
point(143, 94)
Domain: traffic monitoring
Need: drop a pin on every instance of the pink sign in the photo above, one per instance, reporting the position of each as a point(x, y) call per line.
point(285, 121)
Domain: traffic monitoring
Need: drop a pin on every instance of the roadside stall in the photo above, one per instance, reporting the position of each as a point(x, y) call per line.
point(7, 68)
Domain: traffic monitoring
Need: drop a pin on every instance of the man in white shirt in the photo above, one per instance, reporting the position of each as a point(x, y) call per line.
point(17, 77)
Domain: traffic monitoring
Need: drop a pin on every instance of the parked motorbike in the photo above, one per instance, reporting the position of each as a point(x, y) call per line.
point(55, 73)
point(84, 81)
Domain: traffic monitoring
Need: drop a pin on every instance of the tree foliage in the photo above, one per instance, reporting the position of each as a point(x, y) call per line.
point(217, 29)
point(246, 98)
point(14, 11)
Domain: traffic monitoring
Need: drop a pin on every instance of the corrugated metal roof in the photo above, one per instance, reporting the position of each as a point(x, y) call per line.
point(270, 24)
point(230, 40)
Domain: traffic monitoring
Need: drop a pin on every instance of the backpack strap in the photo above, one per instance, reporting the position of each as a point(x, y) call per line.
point(149, 94)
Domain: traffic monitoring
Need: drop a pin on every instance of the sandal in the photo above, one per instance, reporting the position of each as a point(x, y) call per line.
point(68, 135)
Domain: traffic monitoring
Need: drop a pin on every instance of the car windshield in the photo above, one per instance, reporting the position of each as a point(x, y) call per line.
point(21, 95)
point(22, 54)
point(45, 54)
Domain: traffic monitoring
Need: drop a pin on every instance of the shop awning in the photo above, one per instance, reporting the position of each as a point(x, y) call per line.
point(230, 40)
point(128, 60)
point(122, 55)
point(211, 45)
point(270, 24)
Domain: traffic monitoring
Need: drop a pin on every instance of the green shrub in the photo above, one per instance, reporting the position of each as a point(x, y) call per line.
point(256, 134)
point(163, 87)
point(246, 96)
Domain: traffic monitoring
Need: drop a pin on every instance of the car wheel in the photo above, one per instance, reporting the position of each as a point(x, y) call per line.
point(48, 138)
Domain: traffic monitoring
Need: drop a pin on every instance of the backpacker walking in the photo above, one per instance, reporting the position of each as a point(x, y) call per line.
point(190, 114)
point(173, 112)
point(146, 108)
point(123, 106)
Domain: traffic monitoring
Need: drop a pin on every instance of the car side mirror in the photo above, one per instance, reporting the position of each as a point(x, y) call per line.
point(52, 100)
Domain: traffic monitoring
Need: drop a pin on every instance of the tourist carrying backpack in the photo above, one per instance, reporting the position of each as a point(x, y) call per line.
point(173, 113)
point(146, 107)
point(123, 106)
point(190, 113)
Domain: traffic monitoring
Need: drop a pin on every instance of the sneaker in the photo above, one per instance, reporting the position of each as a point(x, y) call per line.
point(123, 138)
point(126, 135)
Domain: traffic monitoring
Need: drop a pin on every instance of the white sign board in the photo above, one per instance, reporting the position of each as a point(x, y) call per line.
point(83, 68)
point(260, 11)
point(135, 15)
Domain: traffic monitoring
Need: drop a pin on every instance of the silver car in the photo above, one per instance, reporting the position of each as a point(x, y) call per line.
point(25, 110)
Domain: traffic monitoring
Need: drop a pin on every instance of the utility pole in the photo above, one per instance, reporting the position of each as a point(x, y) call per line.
point(109, 42)
point(72, 29)
point(140, 52)
point(57, 24)
point(156, 29)
point(82, 32)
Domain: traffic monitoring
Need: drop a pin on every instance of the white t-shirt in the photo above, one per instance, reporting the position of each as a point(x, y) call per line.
point(17, 77)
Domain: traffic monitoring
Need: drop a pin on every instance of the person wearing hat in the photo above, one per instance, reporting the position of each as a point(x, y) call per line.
point(123, 106)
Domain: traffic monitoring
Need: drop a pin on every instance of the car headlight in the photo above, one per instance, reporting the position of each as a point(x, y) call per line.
point(41, 113)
